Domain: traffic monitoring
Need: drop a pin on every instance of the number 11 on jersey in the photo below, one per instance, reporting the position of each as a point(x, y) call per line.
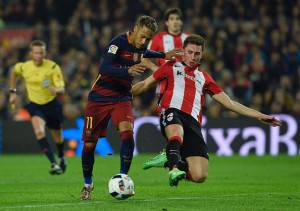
point(89, 122)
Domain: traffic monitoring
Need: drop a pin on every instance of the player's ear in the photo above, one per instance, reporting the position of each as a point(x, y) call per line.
point(166, 23)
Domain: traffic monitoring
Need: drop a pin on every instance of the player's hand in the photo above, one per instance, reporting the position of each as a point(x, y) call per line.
point(52, 90)
point(136, 69)
point(149, 64)
point(270, 120)
point(173, 53)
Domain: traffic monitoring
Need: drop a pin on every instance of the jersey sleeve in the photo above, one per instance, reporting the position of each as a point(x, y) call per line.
point(57, 77)
point(18, 68)
point(153, 54)
point(211, 87)
point(162, 72)
point(110, 56)
point(154, 44)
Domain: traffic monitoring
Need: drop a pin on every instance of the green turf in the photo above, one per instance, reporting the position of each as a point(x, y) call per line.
point(234, 183)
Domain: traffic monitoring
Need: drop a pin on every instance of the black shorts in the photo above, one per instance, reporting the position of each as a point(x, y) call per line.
point(193, 142)
point(51, 112)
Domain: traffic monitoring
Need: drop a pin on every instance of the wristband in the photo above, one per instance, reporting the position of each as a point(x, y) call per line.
point(13, 90)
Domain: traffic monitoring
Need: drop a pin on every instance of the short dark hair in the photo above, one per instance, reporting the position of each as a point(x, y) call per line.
point(39, 43)
point(172, 11)
point(148, 22)
point(194, 39)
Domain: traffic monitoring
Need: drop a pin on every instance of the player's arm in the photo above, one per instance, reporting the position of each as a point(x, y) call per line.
point(58, 81)
point(13, 76)
point(147, 63)
point(232, 105)
point(160, 74)
point(13, 80)
point(156, 54)
point(107, 66)
point(144, 85)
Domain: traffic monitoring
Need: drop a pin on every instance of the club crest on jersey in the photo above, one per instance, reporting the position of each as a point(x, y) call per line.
point(112, 49)
point(88, 133)
point(170, 117)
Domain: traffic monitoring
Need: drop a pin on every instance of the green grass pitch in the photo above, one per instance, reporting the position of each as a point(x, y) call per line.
point(234, 183)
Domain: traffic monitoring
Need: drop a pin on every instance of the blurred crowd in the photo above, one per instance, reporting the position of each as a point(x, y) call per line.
point(252, 51)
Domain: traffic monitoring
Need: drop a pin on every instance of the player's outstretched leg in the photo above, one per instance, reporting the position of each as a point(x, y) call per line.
point(173, 156)
point(157, 161)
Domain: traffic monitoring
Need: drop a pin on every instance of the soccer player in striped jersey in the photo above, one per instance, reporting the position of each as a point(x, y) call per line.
point(170, 39)
point(44, 81)
point(110, 96)
point(182, 101)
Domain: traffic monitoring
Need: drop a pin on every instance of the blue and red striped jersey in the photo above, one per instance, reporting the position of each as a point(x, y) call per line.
point(113, 83)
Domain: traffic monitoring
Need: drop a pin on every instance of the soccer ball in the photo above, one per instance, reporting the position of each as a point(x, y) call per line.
point(121, 186)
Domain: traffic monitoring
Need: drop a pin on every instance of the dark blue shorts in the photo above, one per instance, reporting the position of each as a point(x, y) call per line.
point(51, 112)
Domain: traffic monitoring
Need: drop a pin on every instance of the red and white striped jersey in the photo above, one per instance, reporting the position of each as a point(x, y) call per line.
point(186, 88)
point(165, 42)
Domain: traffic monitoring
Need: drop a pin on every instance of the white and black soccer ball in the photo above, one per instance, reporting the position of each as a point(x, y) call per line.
point(121, 186)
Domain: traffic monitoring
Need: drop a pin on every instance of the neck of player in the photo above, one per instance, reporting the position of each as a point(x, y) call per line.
point(38, 63)
point(174, 33)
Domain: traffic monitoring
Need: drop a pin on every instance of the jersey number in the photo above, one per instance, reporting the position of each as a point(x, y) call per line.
point(89, 122)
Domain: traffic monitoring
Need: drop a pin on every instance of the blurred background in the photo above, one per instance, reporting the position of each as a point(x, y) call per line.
point(252, 47)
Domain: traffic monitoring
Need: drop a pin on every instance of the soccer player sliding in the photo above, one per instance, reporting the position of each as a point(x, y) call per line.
point(180, 120)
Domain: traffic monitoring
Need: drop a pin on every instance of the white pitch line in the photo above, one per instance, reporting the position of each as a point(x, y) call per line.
point(145, 200)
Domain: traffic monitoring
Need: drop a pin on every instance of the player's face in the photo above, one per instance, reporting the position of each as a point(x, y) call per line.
point(174, 24)
point(141, 36)
point(192, 54)
point(38, 53)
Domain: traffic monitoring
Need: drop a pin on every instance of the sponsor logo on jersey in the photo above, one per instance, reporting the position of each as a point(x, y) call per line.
point(179, 73)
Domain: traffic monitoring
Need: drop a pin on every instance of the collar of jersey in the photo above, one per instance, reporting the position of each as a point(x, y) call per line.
point(174, 34)
point(188, 68)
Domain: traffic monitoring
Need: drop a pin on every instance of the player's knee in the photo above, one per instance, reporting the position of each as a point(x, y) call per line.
point(199, 177)
point(125, 126)
point(89, 146)
point(40, 134)
point(58, 139)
